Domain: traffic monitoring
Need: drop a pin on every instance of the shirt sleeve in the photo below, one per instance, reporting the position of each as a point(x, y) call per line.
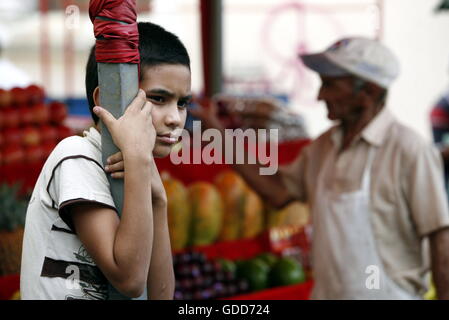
point(79, 179)
point(293, 176)
point(426, 192)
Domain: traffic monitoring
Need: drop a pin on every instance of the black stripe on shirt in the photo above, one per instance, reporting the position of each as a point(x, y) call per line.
point(55, 228)
point(52, 268)
point(59, 163)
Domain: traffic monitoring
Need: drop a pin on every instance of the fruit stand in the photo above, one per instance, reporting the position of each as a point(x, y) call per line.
point(232, 245)
point(30, 128)
point(241, 247)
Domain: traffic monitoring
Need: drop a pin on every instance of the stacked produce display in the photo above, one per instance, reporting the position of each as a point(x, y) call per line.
point(12, 221)
point(227, 242)
point(203, 213)
point(200, 278)
point(217, 233)
point(30, 128)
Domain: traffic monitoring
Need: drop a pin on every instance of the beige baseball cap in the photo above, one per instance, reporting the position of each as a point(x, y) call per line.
point(365, 58)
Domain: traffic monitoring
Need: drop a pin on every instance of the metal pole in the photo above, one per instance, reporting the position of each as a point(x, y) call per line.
point(119, 84)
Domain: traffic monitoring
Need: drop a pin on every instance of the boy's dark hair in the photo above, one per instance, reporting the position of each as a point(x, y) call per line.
point(156, 46)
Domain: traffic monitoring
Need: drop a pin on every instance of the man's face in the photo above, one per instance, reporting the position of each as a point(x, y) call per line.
point(167, 87)
point(340, 97)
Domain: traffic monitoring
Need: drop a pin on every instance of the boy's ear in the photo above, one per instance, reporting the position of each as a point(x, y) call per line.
point(96, 95)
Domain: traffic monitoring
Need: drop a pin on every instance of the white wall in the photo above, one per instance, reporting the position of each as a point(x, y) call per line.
point(421, 40)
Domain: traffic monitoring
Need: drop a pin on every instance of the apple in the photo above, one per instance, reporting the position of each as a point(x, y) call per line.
point(35, 93)
point(41, 113)
point(48, 133)
point(64, 132)
point(11, 117)
point(2, 141)
point(30, 136)
point(19, 96)
point(34, 154)
point(58, 112)
point(12, 136)
point(13, 154)
point(5, 98)
point(26, 115)
point(47, 149)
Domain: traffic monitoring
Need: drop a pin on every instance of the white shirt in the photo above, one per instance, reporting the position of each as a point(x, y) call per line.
point(55, 264)
point(407, 192)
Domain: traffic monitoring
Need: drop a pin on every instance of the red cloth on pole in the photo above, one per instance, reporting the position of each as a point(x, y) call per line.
point(116, 42)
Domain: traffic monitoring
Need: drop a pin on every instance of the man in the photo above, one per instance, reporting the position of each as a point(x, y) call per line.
point(374, 186)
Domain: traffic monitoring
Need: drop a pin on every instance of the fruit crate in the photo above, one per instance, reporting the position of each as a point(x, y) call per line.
point(9, 285)
point(294, 292)
point(275, 240)
point(291, 240)
point(189, 173)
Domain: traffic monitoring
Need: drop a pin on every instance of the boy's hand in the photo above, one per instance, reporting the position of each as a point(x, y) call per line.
point(116, 166)
point(128, 130)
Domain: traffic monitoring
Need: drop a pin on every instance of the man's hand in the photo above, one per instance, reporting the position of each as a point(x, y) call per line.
point(439, 246)
point(116, 167)
point(207, 111)
point(445, 154)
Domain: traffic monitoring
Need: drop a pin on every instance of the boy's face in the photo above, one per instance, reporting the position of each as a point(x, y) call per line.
point(167, 87)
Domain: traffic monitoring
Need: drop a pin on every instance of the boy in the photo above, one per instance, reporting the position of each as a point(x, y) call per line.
point(74, 243)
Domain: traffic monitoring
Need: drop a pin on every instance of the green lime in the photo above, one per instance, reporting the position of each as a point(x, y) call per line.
point(269, 258)
point(227, 265)
point(255, 271)
point(286, 271)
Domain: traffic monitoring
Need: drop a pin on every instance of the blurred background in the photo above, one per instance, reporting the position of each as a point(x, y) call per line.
point(238, 48)
point(50, 40)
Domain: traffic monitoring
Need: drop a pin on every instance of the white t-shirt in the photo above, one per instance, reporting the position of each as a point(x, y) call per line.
point(55, 264)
